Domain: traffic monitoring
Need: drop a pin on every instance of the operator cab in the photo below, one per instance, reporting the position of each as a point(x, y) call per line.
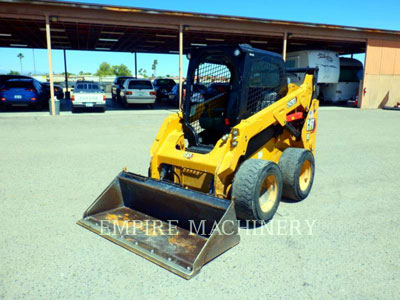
point(226, 84)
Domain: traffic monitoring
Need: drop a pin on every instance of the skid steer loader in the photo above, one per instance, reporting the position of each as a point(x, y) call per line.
point(242, 139)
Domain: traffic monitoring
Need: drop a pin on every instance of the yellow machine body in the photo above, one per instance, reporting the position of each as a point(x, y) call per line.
point(195, 170)
point(182, 215)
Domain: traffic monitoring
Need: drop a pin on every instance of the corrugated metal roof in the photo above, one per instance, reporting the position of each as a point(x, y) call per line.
point(203, 15)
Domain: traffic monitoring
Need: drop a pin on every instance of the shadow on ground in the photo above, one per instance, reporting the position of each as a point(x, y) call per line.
point(66, 106)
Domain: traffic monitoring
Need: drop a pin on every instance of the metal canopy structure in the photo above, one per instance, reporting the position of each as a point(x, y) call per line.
point(89, 36)
point(94, 27)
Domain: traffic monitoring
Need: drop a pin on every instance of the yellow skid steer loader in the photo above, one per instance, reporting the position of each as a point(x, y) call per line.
point(242, 139)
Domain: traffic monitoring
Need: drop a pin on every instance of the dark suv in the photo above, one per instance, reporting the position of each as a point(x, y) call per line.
point(58, 90)
point(163, 86)
point(117, 86)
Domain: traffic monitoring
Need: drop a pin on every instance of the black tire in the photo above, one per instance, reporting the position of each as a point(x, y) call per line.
point(151, 106)
point(321, 97)
point(124, 102)
point(247, 190)
point(39, 106)
point(298, 169)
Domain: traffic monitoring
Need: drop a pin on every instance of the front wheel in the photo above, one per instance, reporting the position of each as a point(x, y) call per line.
point(257, 190)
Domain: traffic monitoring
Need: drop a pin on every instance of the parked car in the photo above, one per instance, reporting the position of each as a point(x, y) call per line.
point(216, 88)
point(23, 92)
point(88, 94)
point(163, 87)
point(117, 86)
point(58, 90)
point(199, 91)
point(138, 91)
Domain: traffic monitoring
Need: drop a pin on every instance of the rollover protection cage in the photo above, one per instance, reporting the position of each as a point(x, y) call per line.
point(225, 97)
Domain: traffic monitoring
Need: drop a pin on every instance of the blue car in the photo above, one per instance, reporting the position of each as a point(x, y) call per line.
point(23, 92)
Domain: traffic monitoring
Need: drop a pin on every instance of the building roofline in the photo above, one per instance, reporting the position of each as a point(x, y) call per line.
point(201, 15)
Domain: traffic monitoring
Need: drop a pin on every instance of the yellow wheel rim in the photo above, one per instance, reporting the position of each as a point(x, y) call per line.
point(305, 176)
point(268, 193)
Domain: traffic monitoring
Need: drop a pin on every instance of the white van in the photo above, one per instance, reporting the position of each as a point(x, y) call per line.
point(138, 91)
point(327, 62)
point(351, 72)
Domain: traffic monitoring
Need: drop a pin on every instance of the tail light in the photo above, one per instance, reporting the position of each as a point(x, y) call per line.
point(33, 99)
point(153, 93)
point(104, 97)
point(129, 93)
point(73, 98)
point(29, 90)
point(3, 99)
point(56, 89)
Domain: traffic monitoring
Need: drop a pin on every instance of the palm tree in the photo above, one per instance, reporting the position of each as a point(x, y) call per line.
point(154, 67)
point(20, 56)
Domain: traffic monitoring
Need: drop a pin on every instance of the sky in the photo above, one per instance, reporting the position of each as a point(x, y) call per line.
point(383, 14)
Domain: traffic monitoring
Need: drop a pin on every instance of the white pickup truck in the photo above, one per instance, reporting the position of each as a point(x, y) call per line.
point(88, 94)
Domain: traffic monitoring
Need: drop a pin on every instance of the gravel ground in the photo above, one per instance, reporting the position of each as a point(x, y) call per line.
point(346, 245)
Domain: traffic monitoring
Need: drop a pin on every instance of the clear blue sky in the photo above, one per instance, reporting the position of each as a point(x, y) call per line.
point(384, 14)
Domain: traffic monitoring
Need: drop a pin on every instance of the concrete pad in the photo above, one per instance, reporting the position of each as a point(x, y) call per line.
point(346, 244)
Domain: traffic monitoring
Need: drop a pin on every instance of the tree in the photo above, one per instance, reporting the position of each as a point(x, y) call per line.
point(121, 70)
point(104, 70)
point(13, 72)
point(82, 73)
point(143, 72)
point(154, 67)
point(20, 56)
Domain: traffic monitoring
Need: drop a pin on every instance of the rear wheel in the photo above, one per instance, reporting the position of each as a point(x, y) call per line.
point(124, 102)
point(257, 190)
point(298, 168)
point(39, 106)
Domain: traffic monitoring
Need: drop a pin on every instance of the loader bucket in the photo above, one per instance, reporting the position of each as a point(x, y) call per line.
point(176, 228)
